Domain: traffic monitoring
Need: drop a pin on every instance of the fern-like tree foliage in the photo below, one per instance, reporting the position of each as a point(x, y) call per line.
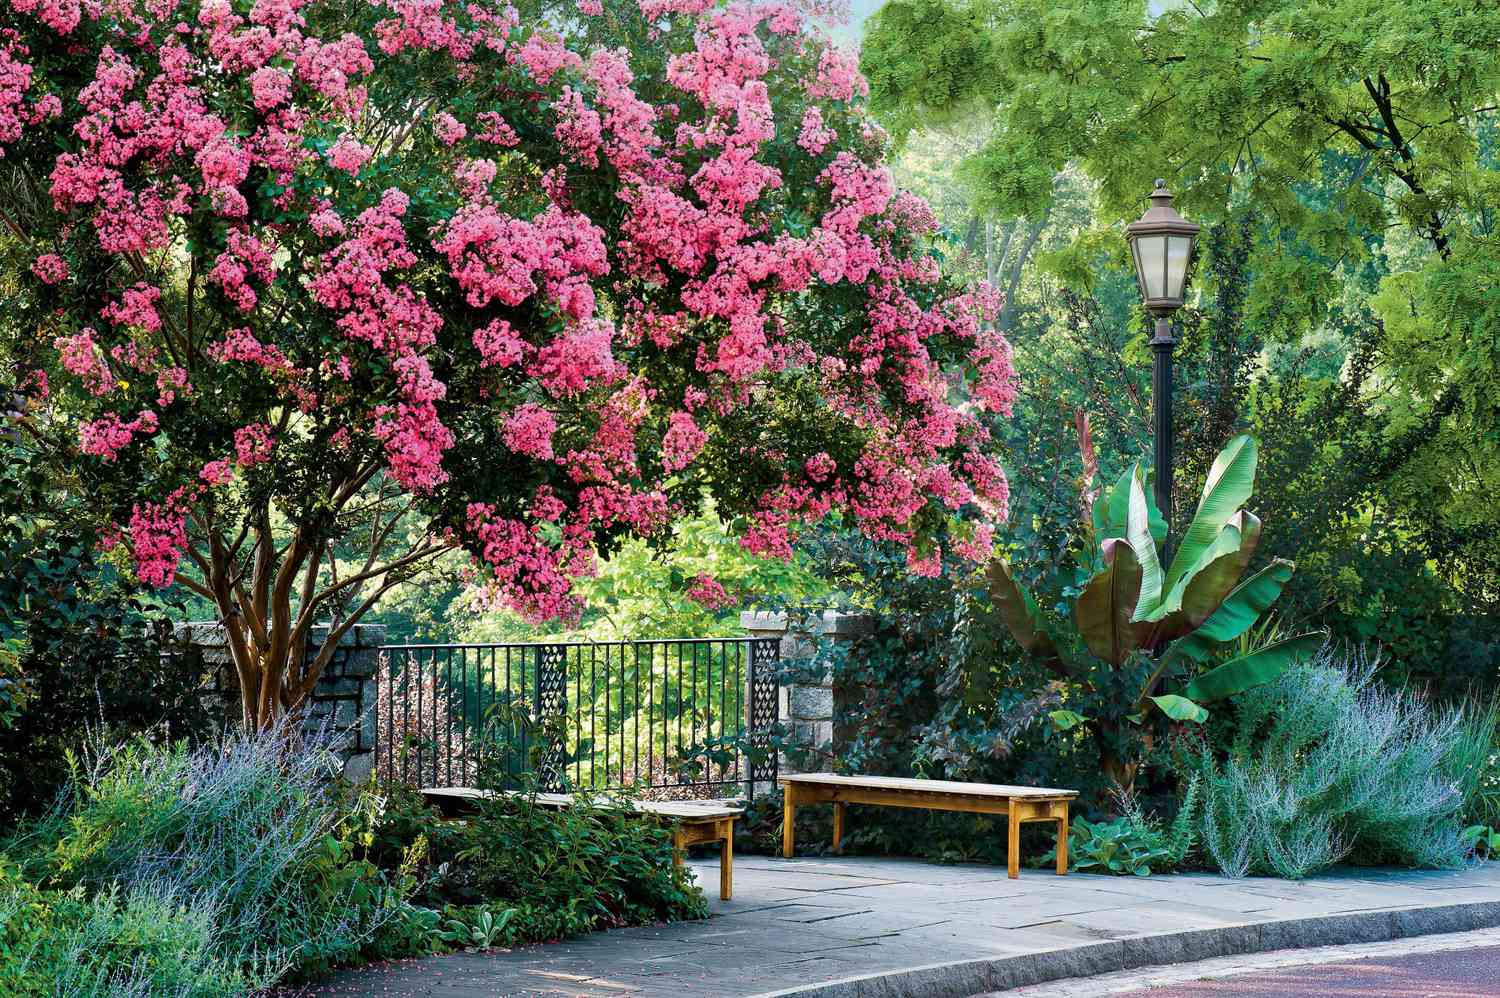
point(1360, 133)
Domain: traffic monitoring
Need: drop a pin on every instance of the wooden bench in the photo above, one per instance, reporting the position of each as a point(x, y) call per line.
point(1019, 804)
point(692, 822)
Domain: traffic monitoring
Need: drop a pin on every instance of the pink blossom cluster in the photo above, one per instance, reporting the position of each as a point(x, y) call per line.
point(593, 258)
point(15, 80)
point(253, 445)
point(107, 436)
point(414, 437)
point(578, 360)
point(709, 593)
point(244, 257)
point(158, 538)
point(62, 16)
point(682, 442)
point(449, 129)
point(136, 307)
point(529, 431)
point(50, 268)
point(169, 382)
point(241, 345)
point(498, 344)
point(814, 135)
point(495, 257)
point(81, 357)
point(525, 573)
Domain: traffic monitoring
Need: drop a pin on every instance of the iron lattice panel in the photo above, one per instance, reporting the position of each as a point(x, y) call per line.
point(552, 705)
point(765, 685)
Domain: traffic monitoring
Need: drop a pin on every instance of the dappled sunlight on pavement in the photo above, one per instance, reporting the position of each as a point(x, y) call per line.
point(816, 920)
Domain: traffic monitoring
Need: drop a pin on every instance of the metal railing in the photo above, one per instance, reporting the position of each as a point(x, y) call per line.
point(672, 717)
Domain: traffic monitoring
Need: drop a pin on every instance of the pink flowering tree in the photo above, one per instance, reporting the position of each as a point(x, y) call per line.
point(415, 275)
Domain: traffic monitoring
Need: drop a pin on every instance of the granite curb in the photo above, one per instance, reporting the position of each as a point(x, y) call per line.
point(964, 978)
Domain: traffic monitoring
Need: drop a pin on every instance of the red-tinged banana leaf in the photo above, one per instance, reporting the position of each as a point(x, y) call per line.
point(1202, 592)
point(1230, 482)
point(1019, 611)
point(1105, 607)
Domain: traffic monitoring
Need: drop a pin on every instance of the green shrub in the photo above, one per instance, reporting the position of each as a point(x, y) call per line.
point(518, 872)
point(1479, 762)
point(248, 831)
point(1133, 843)
point(1326, 764)
point(145, 941)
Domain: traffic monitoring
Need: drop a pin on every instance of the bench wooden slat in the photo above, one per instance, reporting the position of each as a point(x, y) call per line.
point(1018, 804)
point(679, 809)
point(901, 783)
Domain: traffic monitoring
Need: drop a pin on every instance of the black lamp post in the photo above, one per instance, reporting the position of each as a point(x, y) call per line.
point(1162, 244)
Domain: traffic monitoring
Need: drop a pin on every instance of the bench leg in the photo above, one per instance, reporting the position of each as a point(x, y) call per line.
point(726, 862)
point(1013, 840)
point(678, 847)
point(838, 826)
point(1062, 840)
point(788, 823)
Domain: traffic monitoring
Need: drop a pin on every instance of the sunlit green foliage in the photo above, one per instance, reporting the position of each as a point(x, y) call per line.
point(1360, 138)
point(640, 592)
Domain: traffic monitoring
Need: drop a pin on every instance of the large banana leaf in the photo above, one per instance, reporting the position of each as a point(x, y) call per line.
point(1230, 482)
point(1143, 544)
point(1018, 610)
point(1199, 594)
point(1239, 610)
point(1107, 603)
point(1180, 708)
point(1111, 513)
point(1240, 674)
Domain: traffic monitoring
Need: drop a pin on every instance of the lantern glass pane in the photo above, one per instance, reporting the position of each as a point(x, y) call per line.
point(1178, 248)
point(1151, 263)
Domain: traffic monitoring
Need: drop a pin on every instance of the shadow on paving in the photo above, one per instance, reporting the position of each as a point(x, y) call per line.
point(807, 921)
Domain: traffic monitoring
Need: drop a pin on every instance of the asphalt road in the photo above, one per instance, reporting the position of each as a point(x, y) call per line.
point(1470, 973)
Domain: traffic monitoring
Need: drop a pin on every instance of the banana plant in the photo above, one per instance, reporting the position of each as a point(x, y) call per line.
point(1178, 615)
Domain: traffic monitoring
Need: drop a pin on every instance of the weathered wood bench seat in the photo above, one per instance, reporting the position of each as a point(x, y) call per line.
point(1019, 804)
point(692, 822)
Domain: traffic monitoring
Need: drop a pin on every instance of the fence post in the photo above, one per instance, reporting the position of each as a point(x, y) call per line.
point(805, 710)
point(763, 709)
point(551, 703)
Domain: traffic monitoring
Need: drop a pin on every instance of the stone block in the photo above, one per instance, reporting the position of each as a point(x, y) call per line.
point(807, 708)
point(368, 727)
point(810, 702)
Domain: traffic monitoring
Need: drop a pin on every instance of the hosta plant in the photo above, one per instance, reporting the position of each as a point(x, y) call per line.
point(1135, 843)
point(1134, 620)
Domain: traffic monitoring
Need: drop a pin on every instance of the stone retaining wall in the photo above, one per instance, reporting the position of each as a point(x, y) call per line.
point(342, 705)
point(806, 709)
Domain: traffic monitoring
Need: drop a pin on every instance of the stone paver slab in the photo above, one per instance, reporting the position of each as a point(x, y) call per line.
point(809, 923)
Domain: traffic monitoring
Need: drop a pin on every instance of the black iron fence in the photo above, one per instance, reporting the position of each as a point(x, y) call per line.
point(682, 717)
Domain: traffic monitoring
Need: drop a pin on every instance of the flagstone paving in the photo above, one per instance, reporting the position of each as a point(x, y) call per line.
point(801, 922)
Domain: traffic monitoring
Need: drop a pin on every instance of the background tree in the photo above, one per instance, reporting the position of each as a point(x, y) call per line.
point(288, 278)
point(1343, 153)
